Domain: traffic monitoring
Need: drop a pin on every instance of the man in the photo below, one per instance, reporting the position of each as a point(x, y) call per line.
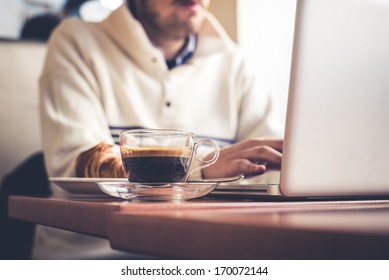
point(102, 78)
point(153, 64)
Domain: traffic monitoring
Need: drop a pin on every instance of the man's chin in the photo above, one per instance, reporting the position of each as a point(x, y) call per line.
point(193, 23)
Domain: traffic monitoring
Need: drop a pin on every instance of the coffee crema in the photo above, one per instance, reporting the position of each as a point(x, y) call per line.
point(155, 151)
point(156, 164)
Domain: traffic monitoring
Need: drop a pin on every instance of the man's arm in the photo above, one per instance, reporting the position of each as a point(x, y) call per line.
point(72, 115)
point(259, 142)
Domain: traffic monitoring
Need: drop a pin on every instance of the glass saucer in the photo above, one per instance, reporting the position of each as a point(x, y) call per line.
point(157, 192)
point(162, 191)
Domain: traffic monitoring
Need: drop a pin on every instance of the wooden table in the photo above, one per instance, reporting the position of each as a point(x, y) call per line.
point(220, 229)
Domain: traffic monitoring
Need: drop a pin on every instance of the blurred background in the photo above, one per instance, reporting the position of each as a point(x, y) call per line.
point(264, 28)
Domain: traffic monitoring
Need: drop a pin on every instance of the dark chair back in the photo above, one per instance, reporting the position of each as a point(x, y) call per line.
point(29, 178)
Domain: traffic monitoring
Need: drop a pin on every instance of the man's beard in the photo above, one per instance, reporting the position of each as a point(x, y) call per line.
point(172, 27)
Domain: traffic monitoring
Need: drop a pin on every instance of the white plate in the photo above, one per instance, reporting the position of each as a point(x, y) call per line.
point(121, 188)
point(83, 186)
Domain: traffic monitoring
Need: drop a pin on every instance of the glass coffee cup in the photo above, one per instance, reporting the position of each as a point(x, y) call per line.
point(162, 155)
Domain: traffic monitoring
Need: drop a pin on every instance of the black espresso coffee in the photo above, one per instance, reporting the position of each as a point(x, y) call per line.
point(156, 164)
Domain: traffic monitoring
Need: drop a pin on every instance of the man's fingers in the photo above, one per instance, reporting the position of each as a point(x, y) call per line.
point(233, 168)
point(264, 154)
point(243, 166)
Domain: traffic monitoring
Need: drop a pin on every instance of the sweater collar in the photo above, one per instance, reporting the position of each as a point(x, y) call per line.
point(132, 38)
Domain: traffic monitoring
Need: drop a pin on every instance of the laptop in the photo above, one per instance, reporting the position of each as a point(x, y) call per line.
point(336, 141)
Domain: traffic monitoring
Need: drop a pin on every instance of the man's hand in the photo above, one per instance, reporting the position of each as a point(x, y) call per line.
point(249, 157)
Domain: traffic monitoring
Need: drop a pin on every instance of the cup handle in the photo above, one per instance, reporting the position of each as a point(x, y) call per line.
point(204, 163)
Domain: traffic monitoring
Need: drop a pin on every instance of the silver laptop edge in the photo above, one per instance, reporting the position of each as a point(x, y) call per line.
point(337, 128)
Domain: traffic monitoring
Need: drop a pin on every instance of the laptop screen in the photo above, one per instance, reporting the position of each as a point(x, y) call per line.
point(337, 129)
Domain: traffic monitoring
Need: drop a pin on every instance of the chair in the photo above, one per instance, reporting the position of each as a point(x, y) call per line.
point(21, 166)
